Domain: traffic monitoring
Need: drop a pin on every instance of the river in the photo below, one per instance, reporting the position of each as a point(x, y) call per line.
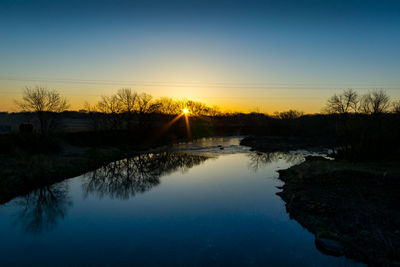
point(207, 203)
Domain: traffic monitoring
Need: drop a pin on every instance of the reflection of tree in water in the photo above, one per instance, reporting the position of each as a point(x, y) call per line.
point(123, 179)
point(258, 159)
point(42, 208)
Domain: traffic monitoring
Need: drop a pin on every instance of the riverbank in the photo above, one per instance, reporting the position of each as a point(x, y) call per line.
point(28, 162)
point(21, 172)
point(352, 209)
point(284, 143)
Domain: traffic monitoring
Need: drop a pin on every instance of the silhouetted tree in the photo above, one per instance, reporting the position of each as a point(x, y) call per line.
point(346, 102)
point(396, 107)
point(95, 117)
point(145, 105)
point(289, 115)
point(376, 102)
point(197, 108)
point(128, 100)
point(214, 111)
point(168, 105)
point(344, 106)
point(112, 106)
point(45, 103)
point(365, 128)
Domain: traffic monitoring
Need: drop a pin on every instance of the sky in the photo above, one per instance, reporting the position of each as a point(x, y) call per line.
point(246, 56)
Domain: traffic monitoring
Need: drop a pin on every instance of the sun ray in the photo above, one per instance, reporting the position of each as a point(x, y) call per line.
point(186, 113)
point(189, 134)
point(166, 127)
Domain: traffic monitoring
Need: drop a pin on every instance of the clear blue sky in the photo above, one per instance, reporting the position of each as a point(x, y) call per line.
point(244, 55)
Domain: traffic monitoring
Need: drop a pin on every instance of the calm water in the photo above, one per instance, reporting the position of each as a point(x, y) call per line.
point(193, 205)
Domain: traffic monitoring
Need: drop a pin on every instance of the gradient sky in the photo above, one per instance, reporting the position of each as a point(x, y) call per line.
point(240, 55)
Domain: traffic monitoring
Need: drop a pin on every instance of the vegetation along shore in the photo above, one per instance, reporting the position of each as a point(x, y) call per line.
point(348, 203)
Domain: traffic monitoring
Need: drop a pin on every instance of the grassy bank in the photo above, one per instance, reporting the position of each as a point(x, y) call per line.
point(21, 172)
point(351, 208)
point(29, 161)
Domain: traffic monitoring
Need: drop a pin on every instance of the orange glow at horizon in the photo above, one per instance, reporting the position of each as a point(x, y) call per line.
point(265, 102)
point(268, 106)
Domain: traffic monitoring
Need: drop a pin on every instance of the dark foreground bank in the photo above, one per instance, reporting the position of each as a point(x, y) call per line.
point(351, 208)
point(30, 161)
point(21, 173)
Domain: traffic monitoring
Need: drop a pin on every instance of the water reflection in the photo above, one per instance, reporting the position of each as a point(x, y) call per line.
point(125, 178)
point(258, 159)
point(221, 208)
point(40, 210)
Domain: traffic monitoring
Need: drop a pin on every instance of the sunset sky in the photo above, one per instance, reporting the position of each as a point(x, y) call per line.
point(240, 55)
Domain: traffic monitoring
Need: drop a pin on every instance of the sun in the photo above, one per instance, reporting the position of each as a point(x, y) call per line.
point(185, 111)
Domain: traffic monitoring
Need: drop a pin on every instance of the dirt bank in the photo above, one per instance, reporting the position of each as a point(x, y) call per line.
point(353, 209)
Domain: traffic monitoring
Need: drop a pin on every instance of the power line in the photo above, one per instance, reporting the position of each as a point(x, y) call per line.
point(287, 86)
point(198, 97)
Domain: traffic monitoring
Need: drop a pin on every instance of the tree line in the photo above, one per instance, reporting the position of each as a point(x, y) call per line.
point(128, 101)
point(123, 110)
point(372, 103)
point(356, 126)
point(366, 126)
